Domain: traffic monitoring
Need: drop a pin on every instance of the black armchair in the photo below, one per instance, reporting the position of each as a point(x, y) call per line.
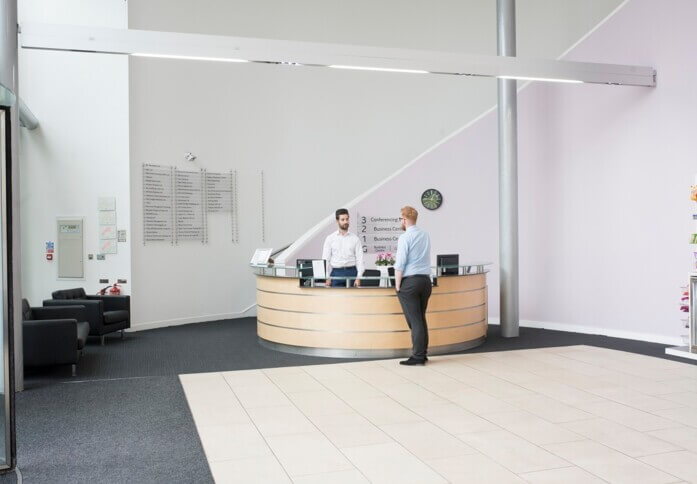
point(53, 335)
point(106, 314)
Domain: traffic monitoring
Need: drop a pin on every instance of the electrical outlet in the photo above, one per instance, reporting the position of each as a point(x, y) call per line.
point(101, 257)
point(90, 256)
point(121, 281)
point(104, 281)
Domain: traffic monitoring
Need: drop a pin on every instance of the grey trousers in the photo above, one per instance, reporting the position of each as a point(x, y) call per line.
point(413, 296)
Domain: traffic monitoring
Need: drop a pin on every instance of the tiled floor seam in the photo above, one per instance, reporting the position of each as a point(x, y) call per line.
point(624, 454)
point(522, 474)
point(642, 383)
point(532, 443)
point(480, 416)
point(590, 392)
point(257, 429)
point(315, 425)
point(448, 432)
point(398, 443)
point(198, 427)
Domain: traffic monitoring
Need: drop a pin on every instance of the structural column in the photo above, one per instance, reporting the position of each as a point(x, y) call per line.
point(508, 175)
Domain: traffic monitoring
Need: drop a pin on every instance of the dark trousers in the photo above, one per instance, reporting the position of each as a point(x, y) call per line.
point(413, 296)
point(343, 272)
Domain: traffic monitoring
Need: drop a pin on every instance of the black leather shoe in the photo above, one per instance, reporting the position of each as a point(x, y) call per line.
point(412, 361)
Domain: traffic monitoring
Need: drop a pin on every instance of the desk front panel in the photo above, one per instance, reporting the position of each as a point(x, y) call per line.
point(368, 319)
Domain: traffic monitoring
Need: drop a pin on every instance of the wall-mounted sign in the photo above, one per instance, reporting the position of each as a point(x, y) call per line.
point(378, 233)
point(70, 228)
point(176, 203)
point(50, 250)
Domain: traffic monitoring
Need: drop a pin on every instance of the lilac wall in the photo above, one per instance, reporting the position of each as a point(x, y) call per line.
point(604, 184)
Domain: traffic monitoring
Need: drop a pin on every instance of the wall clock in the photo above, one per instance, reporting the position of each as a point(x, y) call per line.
point(431, 199)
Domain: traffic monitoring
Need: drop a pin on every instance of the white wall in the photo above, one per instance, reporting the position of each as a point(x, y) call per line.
point(604, 177)
point(80, 150)
point(545, 27)
point(337, 132)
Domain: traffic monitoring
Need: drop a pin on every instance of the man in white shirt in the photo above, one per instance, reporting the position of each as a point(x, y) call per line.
point(343, 251)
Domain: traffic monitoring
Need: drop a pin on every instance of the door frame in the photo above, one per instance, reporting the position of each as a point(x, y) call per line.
point(7, 294)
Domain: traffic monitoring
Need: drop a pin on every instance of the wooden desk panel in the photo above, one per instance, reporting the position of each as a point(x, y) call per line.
point(367, 321)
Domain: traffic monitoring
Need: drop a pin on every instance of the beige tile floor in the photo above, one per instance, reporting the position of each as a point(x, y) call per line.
point(576, 414)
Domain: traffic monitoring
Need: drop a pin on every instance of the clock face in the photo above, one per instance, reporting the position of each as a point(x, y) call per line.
point(432, 199)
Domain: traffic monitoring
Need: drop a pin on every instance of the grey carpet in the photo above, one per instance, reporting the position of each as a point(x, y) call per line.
point(135, 430)
point(232, 345)
point(124, 418)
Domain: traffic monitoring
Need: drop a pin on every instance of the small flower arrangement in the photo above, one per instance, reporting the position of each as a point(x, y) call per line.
point(693, 193)
point(684, 300)
point(385, 259)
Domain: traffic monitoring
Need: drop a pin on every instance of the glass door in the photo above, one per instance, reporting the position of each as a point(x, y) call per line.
point(7, 424)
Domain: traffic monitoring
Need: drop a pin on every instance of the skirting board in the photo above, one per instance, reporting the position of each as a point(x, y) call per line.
point(613, 333)
point(682, 352)
point(197, 319)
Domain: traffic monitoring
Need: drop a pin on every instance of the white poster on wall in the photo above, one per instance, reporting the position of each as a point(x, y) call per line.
point(107, 246)
point(107, 232)
point(107, 217)
point(106, 203)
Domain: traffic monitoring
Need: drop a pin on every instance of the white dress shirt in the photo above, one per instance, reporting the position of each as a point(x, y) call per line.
point(343, 251)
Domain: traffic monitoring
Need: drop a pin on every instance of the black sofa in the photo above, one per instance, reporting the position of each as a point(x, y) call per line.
point(106, 314)
point(53, 335)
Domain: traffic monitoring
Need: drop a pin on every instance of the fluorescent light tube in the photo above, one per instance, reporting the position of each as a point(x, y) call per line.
point(189, 57)
point(523, 78)
point(383, 69)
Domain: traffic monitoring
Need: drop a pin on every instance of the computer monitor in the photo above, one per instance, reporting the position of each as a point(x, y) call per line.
point(370, 282)
point(447, 264)
point(306, 272)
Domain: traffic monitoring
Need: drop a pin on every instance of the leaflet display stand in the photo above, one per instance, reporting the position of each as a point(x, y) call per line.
point(689, 351)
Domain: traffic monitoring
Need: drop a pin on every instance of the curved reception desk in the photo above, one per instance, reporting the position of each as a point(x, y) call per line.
point(367, 321)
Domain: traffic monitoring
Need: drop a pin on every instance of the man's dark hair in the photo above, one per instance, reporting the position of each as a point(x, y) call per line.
point(340, 212)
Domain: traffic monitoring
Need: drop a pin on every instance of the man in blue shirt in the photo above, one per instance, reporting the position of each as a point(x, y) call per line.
point(413, 282)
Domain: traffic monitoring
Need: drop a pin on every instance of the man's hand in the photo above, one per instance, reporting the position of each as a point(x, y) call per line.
point(357, 283)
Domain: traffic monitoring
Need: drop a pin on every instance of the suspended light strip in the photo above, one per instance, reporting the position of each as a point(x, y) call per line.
point(188, 57)
point(219, 48)
point(544, 79)
point(383, 69)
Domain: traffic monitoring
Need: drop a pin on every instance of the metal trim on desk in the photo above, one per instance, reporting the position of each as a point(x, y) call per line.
point(343, 331)
point(346, 353)
point(336, 293)
point(371, 314)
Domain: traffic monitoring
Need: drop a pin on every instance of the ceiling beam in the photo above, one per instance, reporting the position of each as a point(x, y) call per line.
point(247, 49)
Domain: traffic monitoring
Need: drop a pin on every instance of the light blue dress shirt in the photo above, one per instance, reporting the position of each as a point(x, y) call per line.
point(413, 252)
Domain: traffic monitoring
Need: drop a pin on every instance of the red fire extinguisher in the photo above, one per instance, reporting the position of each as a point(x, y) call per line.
point(114, 290)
